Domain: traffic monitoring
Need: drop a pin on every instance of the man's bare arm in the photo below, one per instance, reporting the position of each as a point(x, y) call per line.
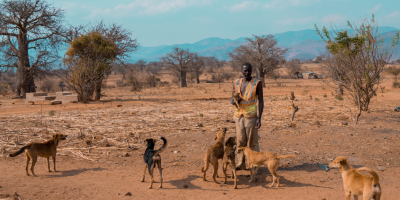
point(260, 94)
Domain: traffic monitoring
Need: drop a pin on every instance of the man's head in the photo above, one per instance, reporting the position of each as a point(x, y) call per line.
point(246, 71)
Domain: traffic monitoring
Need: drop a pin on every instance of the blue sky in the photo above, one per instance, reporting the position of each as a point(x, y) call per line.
point(166, 22)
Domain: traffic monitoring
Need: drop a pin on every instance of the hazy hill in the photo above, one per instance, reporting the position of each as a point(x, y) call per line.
point(305, 44)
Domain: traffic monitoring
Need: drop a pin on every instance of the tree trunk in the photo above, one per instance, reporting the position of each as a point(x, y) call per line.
point(340, 88)
point(25, 78)
point(123, 76)
point(97, 91)
point(183, 78)
point(197, 78)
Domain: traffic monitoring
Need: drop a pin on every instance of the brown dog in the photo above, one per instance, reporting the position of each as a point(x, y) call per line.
point(256, 159)
point(45, 149)
point(356, 183)
point(237, 99)
point(229, 158)
point(213, 154)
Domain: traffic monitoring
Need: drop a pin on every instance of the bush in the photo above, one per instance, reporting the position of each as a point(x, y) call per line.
point(47, 85)
point(396, 84)
point(121, 83)
point(338, 97)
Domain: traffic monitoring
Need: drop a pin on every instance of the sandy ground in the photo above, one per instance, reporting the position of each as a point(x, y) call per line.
point(102, 158)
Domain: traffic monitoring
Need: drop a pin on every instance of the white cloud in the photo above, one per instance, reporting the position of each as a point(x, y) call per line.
point(286, 3)
point(295, 20)
point(147, 7)
point(333, 18)
point(244, 5)
point(394, 14)
point(376, 8)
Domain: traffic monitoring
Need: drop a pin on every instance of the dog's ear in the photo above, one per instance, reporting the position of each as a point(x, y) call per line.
point(226, 143)
point(145, 142)
point(154, 141)
point(342, 162)
point(55, 136)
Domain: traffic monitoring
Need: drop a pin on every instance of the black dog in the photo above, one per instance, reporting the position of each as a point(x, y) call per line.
point(151, 158)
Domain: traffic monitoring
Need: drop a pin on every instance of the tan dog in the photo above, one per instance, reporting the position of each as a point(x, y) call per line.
point(45, 149)
point(256, 159)
point(229, 158)
point(213, 154)
point(237, 99)
point(356, 183)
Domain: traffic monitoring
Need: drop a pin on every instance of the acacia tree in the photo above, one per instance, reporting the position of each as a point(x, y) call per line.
point(153, 69)
point(357, 58)
point(30, 34)
point(262, 52)
point(88, 61)
point(114, 33)
point(293, 68)
point(198, 67)
point(179, 61)
point(394, 71)
point(140, 64)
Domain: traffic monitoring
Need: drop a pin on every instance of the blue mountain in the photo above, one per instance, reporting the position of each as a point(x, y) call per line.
point(305, 44)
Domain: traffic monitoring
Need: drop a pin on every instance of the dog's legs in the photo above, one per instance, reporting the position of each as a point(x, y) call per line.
point(251, 173)
point(214, 163)
point(48, 164)
point(144, 172)
point(234, 174)
point(54, 162)
point(272, 167)
point(151, 175)
point(348, 194)
point(34, 159)
point(224, 167)
point(28, 159)
point(365, 197)
point(160, 170)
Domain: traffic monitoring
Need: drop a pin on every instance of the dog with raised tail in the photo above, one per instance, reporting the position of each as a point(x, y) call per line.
point(152, 158)
point(355, 183)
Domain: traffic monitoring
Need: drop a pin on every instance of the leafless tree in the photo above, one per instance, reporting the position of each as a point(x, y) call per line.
point(153, 69)
point(198, 67)
point(179, 61)
point(140, 64)
point(262, 52)
point(358, 58)
point(219, 73)
point(293, 68)
point(393, 71)
point(30, 36)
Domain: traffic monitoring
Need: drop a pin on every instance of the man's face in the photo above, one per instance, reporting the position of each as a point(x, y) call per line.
point(246, 71)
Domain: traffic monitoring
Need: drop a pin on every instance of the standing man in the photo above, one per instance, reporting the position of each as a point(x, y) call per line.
point(246, 118)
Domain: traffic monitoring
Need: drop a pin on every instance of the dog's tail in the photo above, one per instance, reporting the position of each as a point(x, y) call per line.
point(163, 146)
point(206, 161)
point(19, 152)
point(374, 174)
point(286, 156)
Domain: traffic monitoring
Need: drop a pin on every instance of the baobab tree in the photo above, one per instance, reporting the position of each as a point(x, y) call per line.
point(30, 35)
point(262, 52)
point(179, 60)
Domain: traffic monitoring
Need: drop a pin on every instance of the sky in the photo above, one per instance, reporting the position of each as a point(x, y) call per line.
point(167, 22)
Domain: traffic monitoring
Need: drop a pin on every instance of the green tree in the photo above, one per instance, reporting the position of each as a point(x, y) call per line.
point(357, 58)
point(88, 61)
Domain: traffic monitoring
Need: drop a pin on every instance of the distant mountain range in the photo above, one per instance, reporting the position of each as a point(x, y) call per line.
point(305, 44)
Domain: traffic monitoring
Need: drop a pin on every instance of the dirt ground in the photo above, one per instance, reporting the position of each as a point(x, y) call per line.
point(102, 156)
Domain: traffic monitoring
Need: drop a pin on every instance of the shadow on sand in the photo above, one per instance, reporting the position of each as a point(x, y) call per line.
point(73, 172)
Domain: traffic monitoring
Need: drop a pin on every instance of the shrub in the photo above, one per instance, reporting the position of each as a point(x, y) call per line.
point(52, 112)
point(396, 84)
point(338, 97)
point(121, 83)
point(47, 85)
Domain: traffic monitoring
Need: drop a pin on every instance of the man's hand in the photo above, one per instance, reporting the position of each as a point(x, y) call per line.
point(258, 124)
